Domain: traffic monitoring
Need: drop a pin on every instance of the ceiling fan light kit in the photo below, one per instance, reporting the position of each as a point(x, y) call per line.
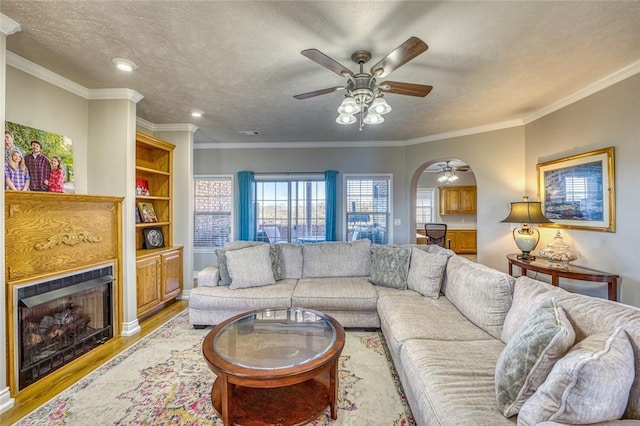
point(364, 93)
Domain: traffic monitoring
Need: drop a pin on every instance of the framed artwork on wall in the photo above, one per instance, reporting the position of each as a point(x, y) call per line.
point(578, 192)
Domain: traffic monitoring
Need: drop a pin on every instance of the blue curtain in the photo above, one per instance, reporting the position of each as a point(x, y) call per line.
point(246, 206)
point(331, 193)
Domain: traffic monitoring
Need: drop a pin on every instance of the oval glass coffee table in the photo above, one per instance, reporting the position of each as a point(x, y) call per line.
point(274, 366)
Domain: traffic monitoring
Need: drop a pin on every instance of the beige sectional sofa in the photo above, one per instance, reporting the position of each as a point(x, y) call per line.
point(469, 342)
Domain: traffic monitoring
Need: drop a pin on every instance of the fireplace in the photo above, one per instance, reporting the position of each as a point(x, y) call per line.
point(62, 319)
point(63, 281)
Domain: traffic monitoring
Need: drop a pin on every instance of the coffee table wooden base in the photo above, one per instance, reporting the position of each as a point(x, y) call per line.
point(288, 405)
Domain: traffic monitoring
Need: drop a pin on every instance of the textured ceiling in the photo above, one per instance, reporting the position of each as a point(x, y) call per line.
point(240, 61)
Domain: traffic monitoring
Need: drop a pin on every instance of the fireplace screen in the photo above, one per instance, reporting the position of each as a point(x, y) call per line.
point(61, 320)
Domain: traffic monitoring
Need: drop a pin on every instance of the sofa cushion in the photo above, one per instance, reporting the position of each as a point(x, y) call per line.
point(590, 384)
point(335, 294)
point(291, 256)
point(336, 259)
point(426, 271)
point(277, 264)
point(225, 278)
point(526, 299)
point(405, 315)
point(208, 277)
point(250, 267)
point(223, 298)
point(482, 294)
point(452, 382)
point(390, 266)
point(436, 249)
point(530, 355)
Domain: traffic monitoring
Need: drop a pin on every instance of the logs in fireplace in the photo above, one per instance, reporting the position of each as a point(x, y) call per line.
point(61, 320)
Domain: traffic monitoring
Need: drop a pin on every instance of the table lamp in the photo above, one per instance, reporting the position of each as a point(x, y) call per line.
point(526, 212)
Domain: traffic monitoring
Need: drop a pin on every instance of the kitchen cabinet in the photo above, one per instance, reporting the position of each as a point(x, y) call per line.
point(460, 200)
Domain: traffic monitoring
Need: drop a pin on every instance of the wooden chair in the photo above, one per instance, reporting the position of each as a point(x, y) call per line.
point(436, 233)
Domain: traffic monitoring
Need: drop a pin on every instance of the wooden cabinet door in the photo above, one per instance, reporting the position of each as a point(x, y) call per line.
point(452, 240)
point(171, 274)
point(467, 242)
point(467, 200)
point(148, 279)
point(450, 202)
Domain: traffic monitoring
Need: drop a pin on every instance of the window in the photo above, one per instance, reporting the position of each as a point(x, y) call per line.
point(290, 210)
point(368, 208)
point(424, 206)
point(212, 211)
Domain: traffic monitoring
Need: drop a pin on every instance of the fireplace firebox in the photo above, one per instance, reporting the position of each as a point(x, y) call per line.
point(62, 319)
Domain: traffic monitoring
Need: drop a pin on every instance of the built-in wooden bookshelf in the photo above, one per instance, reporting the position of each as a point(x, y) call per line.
point(158, 269)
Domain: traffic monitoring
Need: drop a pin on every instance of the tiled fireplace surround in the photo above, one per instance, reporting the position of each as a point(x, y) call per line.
point(55, 245)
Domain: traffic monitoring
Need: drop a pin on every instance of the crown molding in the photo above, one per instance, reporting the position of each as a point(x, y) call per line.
point(141, 122)
point(599, 85)
point(466, 132)
point(331, 144)
point(8, 26)
point(178, 127)
point(44, 74)
point(106, 94)
point(57, 80)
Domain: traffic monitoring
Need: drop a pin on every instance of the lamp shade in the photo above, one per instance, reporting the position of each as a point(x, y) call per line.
point(346, 119)
point(379, 106)
point(526, 212)
point(349, 106)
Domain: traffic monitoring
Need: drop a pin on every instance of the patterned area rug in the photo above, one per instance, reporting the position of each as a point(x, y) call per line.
point(164, 380)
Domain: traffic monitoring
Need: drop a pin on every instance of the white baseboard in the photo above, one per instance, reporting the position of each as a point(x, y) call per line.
point(131, 328)
point(6, 401)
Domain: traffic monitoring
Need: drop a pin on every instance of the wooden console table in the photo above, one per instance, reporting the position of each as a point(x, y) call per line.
point(572, 272)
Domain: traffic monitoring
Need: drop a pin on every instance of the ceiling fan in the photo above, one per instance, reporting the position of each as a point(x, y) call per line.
point(447, 171)
point(364, 93)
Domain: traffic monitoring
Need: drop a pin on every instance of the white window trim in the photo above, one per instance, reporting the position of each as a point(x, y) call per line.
point(343, 198)
point(233, 206)
point(433, 203)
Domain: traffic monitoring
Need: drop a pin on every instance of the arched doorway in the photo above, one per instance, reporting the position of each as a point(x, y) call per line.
point(445, 192)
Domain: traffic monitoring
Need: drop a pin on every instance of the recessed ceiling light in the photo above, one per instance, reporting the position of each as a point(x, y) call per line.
point(124, 64)
point(249, 132)
point(196, 113)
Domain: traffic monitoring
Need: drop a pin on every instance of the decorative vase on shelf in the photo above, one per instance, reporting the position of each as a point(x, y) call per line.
point(557, 252)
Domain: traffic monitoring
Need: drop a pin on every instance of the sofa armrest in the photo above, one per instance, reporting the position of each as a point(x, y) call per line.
point(208, 277)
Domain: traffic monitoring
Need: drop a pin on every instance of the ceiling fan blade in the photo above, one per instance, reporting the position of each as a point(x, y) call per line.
point(408, 89)
point(322, 59)
point(318, 92)
point(403, 54)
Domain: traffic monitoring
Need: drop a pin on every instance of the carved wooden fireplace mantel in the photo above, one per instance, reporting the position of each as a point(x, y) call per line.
point(52, 235)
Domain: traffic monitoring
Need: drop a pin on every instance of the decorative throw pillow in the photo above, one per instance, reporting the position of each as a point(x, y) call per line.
point(390, 266)
point(276, 261)
point(425, 272)
point(530, 355)
point(250, 267)
point(225, 279)
point(590, 384)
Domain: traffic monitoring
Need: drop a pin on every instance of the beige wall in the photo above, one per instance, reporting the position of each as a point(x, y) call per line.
point(607, 118)
point(503, 162)
point(430, 180)
point(497, 161)
point(30, 102)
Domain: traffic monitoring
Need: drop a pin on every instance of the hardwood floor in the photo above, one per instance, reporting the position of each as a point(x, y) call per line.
point(40, 392)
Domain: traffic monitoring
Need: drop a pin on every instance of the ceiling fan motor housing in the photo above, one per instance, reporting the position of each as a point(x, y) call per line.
point(362, 87)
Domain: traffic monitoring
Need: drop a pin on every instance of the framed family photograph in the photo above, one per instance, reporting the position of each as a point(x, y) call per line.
point(578, 192)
